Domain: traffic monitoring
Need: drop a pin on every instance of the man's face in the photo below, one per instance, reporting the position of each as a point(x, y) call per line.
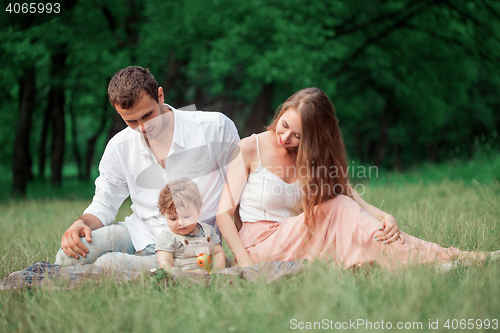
point(140, 116)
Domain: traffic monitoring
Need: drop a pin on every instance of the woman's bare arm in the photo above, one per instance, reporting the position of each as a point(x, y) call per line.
point(389, 230)
point(219, 258)
point(237, 176)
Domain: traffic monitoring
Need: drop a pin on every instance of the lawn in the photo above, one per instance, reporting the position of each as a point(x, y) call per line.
point(452, 212)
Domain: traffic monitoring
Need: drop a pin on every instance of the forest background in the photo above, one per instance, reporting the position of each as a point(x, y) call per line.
point(413, 81)
point(415, 84)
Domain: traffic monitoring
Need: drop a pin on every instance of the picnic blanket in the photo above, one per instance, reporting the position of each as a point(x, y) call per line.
point(46, 275)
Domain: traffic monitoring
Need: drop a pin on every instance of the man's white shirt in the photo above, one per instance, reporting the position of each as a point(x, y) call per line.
point(201, 148)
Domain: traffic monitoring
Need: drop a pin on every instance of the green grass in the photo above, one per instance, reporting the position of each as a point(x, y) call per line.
point(452, 212)
point(484, 168)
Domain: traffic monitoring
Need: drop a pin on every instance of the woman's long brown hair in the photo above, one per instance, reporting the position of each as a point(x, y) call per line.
point(321, 155)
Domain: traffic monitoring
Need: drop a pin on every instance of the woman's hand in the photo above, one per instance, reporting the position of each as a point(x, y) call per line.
point(388, 227)
point(245, 262)
point(388, 230)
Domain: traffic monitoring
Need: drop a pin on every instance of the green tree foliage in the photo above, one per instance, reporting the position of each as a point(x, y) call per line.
point(412, 80)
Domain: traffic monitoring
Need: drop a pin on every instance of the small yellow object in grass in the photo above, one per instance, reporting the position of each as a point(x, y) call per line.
point(205, 261)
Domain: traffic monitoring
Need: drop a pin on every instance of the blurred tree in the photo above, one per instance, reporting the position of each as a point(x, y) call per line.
point(57, 96)
point(411, 79)
point(22, 53)
point(22, 158)
point(418, 62)
point(123, 20)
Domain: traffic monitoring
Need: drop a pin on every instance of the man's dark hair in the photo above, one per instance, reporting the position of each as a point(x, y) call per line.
point(128, 85)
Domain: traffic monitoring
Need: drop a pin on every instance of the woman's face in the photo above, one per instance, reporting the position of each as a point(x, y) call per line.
point(289, 129)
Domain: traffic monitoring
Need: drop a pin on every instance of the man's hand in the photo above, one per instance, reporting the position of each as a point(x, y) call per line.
point(70, 241)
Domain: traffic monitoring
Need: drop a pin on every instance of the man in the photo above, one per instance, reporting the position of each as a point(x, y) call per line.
point(160, 144)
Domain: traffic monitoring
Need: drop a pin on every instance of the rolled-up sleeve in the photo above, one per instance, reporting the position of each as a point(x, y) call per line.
point(228, 139)
point(111, 187)
point(230, 132)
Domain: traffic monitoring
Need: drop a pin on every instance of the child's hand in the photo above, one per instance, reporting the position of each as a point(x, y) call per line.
point(165, 260)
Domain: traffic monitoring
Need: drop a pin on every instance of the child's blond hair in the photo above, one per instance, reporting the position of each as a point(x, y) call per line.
point(176, 194)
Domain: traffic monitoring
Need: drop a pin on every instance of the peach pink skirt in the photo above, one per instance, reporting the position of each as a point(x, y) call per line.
point(345, 233)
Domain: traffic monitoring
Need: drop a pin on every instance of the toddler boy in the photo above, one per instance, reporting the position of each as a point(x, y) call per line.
point(186, 238)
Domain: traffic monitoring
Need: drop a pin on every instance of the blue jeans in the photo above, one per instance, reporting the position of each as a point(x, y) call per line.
point(141, 261)
point(138, 261)
point(112, 247)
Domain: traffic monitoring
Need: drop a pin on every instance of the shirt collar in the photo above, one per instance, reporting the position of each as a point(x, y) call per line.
point(201, 232)
point(178, 137)
point(143, 147)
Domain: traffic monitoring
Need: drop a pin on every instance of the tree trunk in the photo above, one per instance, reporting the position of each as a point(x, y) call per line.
point(261, 110)
point(117, 125)
point(381, 149)
point(175, 82)
point(89, 156)
point(199, 99)
point(358, 151)
point(21, 160)
point(432, 153)
point(58, 124)
point(76, 151)
point(398, 165)
point(42, 149)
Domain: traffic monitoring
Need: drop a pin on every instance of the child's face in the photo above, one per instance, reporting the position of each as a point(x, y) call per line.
point(185, 221)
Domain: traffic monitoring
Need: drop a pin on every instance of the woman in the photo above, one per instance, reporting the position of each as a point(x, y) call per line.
point(299, 163)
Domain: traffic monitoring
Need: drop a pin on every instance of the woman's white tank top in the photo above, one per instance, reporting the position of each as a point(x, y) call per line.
point(266, 197)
